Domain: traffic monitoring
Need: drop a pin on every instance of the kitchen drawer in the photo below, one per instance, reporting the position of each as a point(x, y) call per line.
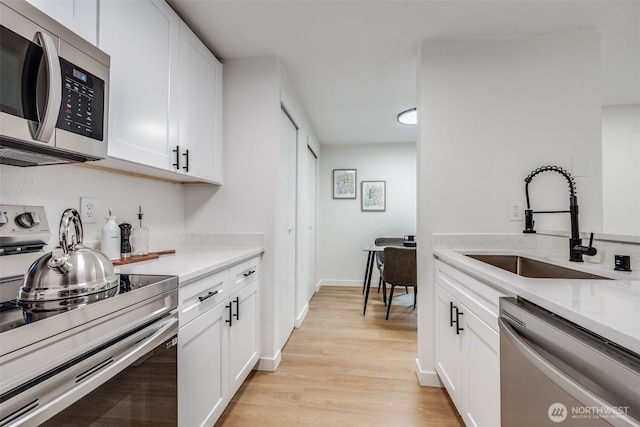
point(199, 296)
point(244, 273)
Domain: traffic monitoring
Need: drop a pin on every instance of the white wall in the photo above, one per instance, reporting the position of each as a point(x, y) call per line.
point(249, 200)
point(342, 226)
point(491, 111)
point(621, 169)
point(60, 187)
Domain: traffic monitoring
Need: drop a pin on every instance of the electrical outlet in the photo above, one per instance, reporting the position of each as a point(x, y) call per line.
point(88, 210)
point(515, 210)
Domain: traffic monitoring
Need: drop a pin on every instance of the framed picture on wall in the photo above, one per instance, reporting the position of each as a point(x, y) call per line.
point(374, 196)
point(344, 183)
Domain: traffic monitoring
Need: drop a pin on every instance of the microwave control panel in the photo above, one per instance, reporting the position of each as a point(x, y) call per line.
point(82, 107)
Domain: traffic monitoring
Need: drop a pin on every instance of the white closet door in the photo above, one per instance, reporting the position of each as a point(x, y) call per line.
point(289, 135)
point(311, 206)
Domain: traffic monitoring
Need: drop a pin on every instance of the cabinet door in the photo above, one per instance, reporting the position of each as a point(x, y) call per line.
point(482, 372)
point(143, 40)
point(243, 335)
point(203, 380)
point(200, 119)
point(448, 344)
point(80, 16)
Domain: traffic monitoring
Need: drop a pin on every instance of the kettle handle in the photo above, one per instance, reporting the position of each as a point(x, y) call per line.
point(70, 216)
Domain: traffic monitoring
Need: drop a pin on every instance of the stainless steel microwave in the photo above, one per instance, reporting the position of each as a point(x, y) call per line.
point(53, 92)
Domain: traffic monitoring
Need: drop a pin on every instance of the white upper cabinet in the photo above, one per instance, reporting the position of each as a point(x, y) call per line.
point(142, 38)
point(200, 116)
point(80, 16)
point(165, 112)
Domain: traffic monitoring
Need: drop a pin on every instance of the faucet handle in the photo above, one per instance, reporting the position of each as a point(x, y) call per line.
point(586, 250)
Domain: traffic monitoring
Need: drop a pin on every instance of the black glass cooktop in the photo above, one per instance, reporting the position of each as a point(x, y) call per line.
point(13, 314)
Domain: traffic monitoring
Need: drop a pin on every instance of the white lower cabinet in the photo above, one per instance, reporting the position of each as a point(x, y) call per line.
point(481, 368)
point(448, 344)
point(217, 341)
point(467, 347)
point(243, 336)
point(202, 368)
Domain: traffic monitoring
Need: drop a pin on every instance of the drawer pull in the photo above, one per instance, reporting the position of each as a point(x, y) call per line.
point(209, 295)
point(249, 273)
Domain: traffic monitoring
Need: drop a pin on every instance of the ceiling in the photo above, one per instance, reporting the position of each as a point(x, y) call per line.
point(353, 63)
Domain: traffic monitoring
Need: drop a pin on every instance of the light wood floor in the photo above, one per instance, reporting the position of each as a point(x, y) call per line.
point(342, 368)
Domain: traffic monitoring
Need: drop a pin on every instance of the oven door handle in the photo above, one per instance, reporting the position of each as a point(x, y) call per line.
point(73, 387)
point(559, 377)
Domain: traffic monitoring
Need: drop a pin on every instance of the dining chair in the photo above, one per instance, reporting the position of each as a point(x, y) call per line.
point(385, 241)
point(400, 269)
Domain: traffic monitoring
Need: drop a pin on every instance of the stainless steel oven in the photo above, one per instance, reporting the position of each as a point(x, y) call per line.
point(555, 373)
point(108, 362)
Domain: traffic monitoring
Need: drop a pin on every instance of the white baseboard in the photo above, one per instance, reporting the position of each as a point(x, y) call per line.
point(330, 282)
point(301, 316)
point(427, 378)
point(269, 363)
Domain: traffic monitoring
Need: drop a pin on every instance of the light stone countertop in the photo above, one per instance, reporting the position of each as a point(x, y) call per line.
point(609, 308)
point(192, 262)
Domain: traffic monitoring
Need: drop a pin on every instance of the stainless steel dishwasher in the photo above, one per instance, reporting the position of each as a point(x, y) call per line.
point(555, 373)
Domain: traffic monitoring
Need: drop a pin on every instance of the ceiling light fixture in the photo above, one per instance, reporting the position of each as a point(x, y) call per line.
point(409, 117)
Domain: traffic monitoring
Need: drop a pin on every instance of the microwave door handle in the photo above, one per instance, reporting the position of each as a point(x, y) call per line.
point(49, 118)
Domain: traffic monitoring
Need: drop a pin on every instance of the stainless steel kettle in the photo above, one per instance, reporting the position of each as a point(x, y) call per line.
point(69, 271)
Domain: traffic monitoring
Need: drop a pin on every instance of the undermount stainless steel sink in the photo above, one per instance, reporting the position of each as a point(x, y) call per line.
point(528, 267)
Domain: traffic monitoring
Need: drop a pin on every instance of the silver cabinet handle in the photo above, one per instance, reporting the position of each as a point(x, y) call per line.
point(44, 130)
point(555, 374)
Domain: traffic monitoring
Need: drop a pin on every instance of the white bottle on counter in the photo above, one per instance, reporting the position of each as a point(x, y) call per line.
point(110, 242)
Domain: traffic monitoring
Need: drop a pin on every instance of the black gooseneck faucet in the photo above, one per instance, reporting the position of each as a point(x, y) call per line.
point(576, 249)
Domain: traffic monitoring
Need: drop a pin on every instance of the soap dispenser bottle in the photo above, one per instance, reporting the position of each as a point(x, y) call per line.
point(140, 237)
point(110, 242)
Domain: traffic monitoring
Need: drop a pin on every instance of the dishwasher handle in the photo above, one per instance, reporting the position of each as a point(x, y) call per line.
point(560, 378)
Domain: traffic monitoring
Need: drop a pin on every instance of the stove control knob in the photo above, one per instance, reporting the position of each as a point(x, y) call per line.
point(28, 219)
point(3, 219)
